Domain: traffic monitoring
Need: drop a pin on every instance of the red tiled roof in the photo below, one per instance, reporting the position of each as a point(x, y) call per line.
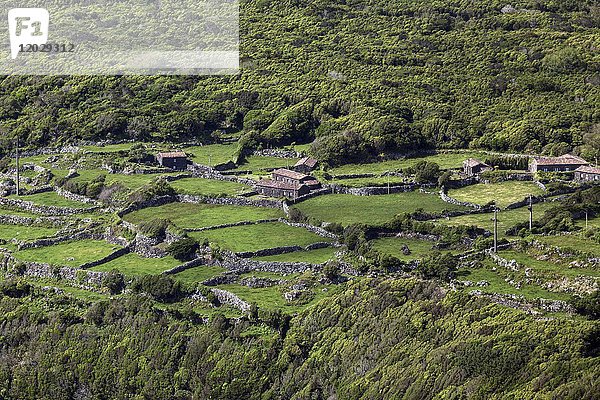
point(567, 159)
point(173, 154)
point(309, 162)
point(290, 174)
point(473, 162)
point(588, 170)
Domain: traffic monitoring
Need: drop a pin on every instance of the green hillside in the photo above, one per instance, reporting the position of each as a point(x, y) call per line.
point(363, 78)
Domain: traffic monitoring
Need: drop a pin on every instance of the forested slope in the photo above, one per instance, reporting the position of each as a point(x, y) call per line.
point(364, 78)
point(376, 339)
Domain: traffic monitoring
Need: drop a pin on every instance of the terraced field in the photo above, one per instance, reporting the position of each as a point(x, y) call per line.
point(52, 199)
point(259, 236)
point(70, 254)
point(506, 218)
point(132, 264)
point(208, 187)
point(419, 249)
point(20, 232)
point(188, 215)
point(348, 209)
point(318, 256)
point(503, 193)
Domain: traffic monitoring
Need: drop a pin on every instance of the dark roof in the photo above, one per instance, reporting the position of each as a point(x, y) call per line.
point(588, 170)
point(473, 162)
point(314, 182)
point(567, 159)
point(173, 154)
point(309, 162)
point(290, 174)
point(268, 183)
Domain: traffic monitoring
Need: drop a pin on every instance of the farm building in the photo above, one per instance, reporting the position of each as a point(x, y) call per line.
point(269, 187)
point(175, 160)
point(565, 163)
point(473, 166)
point(587, 174)
point(305, 165)
point(288, 176)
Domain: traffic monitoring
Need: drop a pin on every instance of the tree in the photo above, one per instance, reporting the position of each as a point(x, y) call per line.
point(184, 249)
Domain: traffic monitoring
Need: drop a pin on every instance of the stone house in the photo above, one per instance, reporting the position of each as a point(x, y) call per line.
point(289, 176)
point(472, 166)
point(565, 163)
point(269, 187)
point(586, 173)
point(306, 165)
point(176, 160)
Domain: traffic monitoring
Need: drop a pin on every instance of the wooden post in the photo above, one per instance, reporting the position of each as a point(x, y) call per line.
point(18, 173)
point(586, 219)
point(530, 213)
point(388, 181)
point(495, 229)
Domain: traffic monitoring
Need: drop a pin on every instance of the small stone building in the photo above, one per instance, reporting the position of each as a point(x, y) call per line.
point(565, 163)
point(587, 174)
point(472, 166)
point(289, 176)
point(176, 160)
point(269, 187)
point(306, 165)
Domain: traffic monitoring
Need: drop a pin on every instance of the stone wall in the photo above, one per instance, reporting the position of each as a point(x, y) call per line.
point(314, 229)
point(190, 264)
point(241, 223)
point(233, 263)
point(231, 299)
point(75, 197)
point(230, 201)
point(82, 235)
point(378, 190)
point(155, 202)
point(48, 151)
point(279, 153)
point(26, 221)
point(43, 210)
point(451, 200)
point(112, 256)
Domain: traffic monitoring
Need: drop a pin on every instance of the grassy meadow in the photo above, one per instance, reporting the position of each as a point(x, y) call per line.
point(503, 193)
point(70, 254)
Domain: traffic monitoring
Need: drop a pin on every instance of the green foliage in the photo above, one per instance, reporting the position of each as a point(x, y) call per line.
point(438, 266)
point(183, 249)
point(154, 228)
point(588, 305)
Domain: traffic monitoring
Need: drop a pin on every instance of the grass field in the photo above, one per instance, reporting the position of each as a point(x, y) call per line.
point(348, 209)
point(546, 267)
point(208, 187)
point(572, 242)
point(506, 219)
point(110, 148)
point(374, 181)
point(393, 246)
point(8, 232)
point(592, 223)
point(133, 181)
point(212, 154)
point(52, 199)
point(497, 284)
point(70, 254)
point(503, 193)
point(187, 215)
point(317, 256)
point(445, 161)
point(198, 274)
point(260, 236)
point(272, 297)
point(255, 163)
point(132, 264)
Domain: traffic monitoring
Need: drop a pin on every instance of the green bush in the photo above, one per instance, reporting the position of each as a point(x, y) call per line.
point(184, 249)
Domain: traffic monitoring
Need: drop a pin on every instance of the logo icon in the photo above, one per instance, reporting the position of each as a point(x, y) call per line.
point(27, 26)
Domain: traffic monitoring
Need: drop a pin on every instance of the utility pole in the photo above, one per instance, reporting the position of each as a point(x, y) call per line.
point(586, 219)
point(18, 173)
point(530, 208)
point(495, 229)
point(388, 181)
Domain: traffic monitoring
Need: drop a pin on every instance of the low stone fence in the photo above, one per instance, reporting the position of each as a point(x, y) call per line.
point(230, 201)
point(43, 210)
point(269, 252)
point(173, 178)
point(451, 200)
point(146, 247)
point(524, 202)
point(519, 302)
point(378, 190)
point(241, 223)
point(314, 229)
point(82, 235)
point(278, 153)
point(314, 193)
point(155, 202)
point(26, 221)
point(231, 299)
point(112, 256)
point(190, 264)
point(48, 151)
point(224, 279)
point(75, 197)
